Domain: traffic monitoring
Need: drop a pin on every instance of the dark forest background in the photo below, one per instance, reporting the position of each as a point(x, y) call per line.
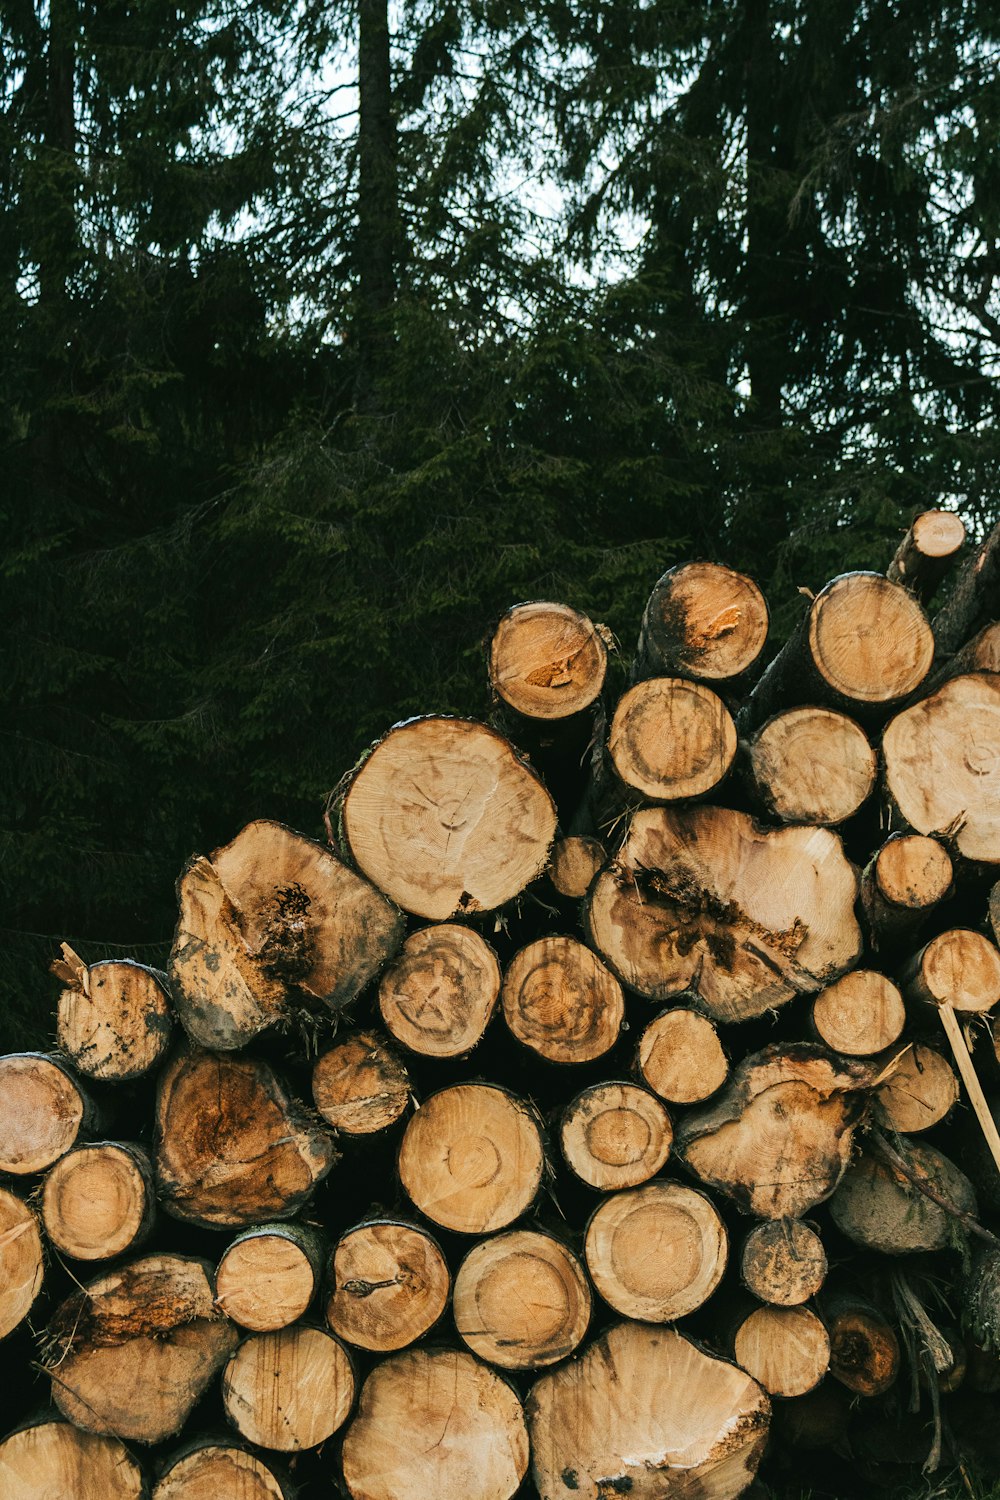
point(327, 331)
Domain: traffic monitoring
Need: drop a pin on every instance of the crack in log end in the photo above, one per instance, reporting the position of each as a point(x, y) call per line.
point(683, 896)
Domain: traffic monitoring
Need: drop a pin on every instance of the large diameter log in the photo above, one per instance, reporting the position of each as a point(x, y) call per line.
point(435, 1424)
point(704, 621)
point(289, 1390)
point(859, 1015)
point(132, 1353)
point(812, 765)
point(208, 1469)
point(560, 1000)
point(232, 1147)
point(671, 740)
point(644, 1412)
point(783, 1262)
point(786, 1349)
point(902, 884)
point(864, 1350)
point(360, 1085)
point(880, 1208)
point(547, 661)
point(972, 602)
point(700, 900)
point(522, 1300)
point(43, 1110)
point(271, 926)
point(269, 1275)
point(615, 1135)
point(438, 995)
point(99, 1200)
point(919, 1092)
point(942, 765)
point(574, 862)
point(471, 1158)
point(53, 1460)
point(390, 1285)
point(22, 1263)
point(113, 1019)
point(445, 817)
point(959, 968)
point(927, 551)
point(681, 1058)
point(656, 1253)
point(778, 1139)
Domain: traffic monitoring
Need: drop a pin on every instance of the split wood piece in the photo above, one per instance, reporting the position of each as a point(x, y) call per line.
point(972, 601)
point(560, 1000)
point(927, 551)
point(132, 1353)
point(22, 1263)
point(657, 1252)
point(859, 1015)
point(959, 968)
point(438, 995)
point(435, 1424)
point(270, 926)
point(269, 1275)
point(671, 739)
point(445, 817)
point(208, 1469)
point(865, 1354)
point(812, 765)
point(360, 1086)
point(704, 621)
point(289, 1390)
point(919, 1092)
point(52, 1458)
point(879, 1208)
point(779, 1138)
point(522, 1300)
point(942, 765)
point(390, 1285)
point(547, 661)
point(574, 863)
point(232, 1147)
point(783, 1262)
point(99, 1200)
point(471, 1159)
point(902, 884)
point(699, 900)
point(615, 1135)
point(43, 1111)
point(645, 1412)
point(681, 1057)
point(114, 1019)
point(786, 1349)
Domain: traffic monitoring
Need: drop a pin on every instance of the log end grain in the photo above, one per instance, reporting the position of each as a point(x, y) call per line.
point(115, 1022)
point(289, 1390)
point(859, 1015)
point(390, 1285)
point(522, 1300)
point(783, 1262)
point(786, 1349)
point(704, 621)
point(547, 661)
point(98, 1200)
point(671, 739)
point(268, 1277)
point(868, 639)
point(54, 1458)
point(681, 1057)
point(656, 1253)
point(22, 1261)
point(812, 765)
point(218, 1471)
point(42, 1110)
point(360, 1085)
point(574, 863)
point(438, 995)
point(560, 1000)
point(615, 1135)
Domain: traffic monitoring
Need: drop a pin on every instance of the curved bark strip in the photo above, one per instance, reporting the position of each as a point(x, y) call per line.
point(671, 739)
point(560, 1000)
point(615, 1135)
point(547, 661)
point(22, 1261)
point(114, 1019)
point(360, 1085)
point(522, 1300)
point(289, 1390)
point(656, 1253)
point(390, 1285)
point(51, 1457)
point(438, 995)
point(704, 621)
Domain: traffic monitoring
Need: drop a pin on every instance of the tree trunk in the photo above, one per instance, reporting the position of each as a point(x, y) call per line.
point(378, 227)
point(22, 1264)
point(574, 863)
point(615, 1135)
point(681, 1058)
point(560, 1000)
point(50, 1457)
point(671, 740)
point(900, 887)
point(865, 1353)
point(360, 1085)
point(783, 1262)
point(269, 1275)
point(705, 622)
point(811, 765)
point(439, 995)
point(114, 1020)
point(920, 1092)
point(656, 1253)
point(43, 1112)
point(927, 552)
point(522, 1300)
point(786, 1349)
point(972, 602)
point(390, 1285)
point(209, 1469)
point(289, 1390)
point(859, 1015)
point(99, 1200)
point(880, 1209)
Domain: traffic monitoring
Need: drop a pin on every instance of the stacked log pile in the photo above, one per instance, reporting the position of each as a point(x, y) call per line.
point(598, 1108)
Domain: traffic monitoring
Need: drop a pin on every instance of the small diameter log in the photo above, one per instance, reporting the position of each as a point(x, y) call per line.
point(22, 1263)
point(779, 1137)
point(288, 1390)
point(360, 1086)
point(522, 1300)
point(859, 1015)
point(573, 864)
point(927, 551)
point(438, 995)
point(959, 968)
point(390, 1285)
point(699, 900)
point(471, 1158)
point(864, 1349)
point(114, 1019)
point(271, 926)
point(132, 1353)
point(681, 1057)
point(547, 661)
point(53, 1460)
point(269, 1275)
point(656, 1253)
point(99, 1200)
point(435, 1424)
point(786, 1349)
point(942, 765)
point(208, 1469)
point(783, 1262)
point(445, 817)
point(812, 765)
point(560, 1000)
point(703, 621)
point(671, 740)
point(880, 1209)
point(615, 1135)
point(972, 602)
point(907, 878)
point(645, 1412)
point(43, 1110)
point(232, 1147)
point(919, 1092)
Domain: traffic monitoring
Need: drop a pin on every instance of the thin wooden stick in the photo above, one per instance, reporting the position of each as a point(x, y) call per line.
point(963, 1057)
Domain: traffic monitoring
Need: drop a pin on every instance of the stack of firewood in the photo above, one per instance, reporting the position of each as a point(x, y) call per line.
point(602, 1101)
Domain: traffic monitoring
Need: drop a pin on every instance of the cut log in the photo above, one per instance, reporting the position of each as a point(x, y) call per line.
point(113, 1019)
point(288, 1390)
point(522, 1300)
point(131, 1354)
point(99, 1200)
point(927, 551)
point(22, 1263)
point(271, 928)
point(438, 996)
point(671, 740)
point(960, 968)
point(471, 1159)
point(859, 1015)
point(919, 1092)
point(786, 1349)
point(700, 900)
point(864, 1348)
point(445, 818)
point(43, 1111)
point(615, 1135)
point(547, 661)
point(942, 765)
point(779, 1137)
point(981, 1298)
point(703, 621)
point(972, 602)
point(811, 765)
point(879, 1208)
point(900, 887)
point(390, 1285)
point(53, 1460)
point(269, 1275)
point(435, 1425)
point(232, 1148)
point(681, 1057)
point(208, 1469)
point(657, 1252)
point(560, 1000)
point(783, 1262)
point(360, 1086)
point(574, 863)
point(645, 1412)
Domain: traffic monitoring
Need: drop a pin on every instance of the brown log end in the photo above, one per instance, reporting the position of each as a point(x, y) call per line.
point(812, 765)
point(218, 1471)
point(42, 1110)
point(705, 621)
point(919, 1092)
point(360, 1086)
point(574, 863)
point(859, 1015)
point(656, 1253)
point(783, 1262)
point(268, 1277)
point(115, 1024)
point(54, 1458)
point(786, 1349)
point(547, 661)
point(671, 739)
point(98, 1200)
point(438, 996)
point(22, 1262)
point(390, 1285)
point(865, 1355)
point(288, 1390)
point(869, 640)
point(560, 1000)
point(615, 1135)
point(959, 968)
point(681, 1057)
point(522, 1300)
